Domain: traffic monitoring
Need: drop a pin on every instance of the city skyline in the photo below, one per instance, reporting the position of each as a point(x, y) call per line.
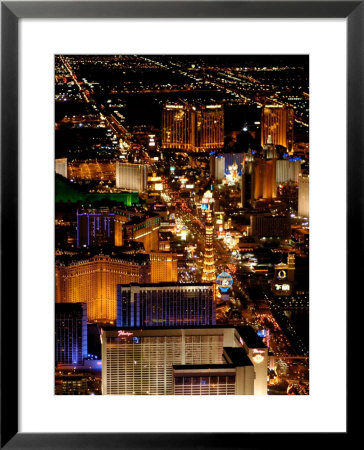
point(183, 171)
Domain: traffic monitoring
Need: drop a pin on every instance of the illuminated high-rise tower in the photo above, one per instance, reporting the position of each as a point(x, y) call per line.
point(94, 279)
point(165, 305)
point(61, 167)
point(209, 271)
point(277, 122)
point(183, 360)
point(303, 195)
point(193, 127)
point(264, 179)
point(178, 126)
point(95, 226)
point(209, 133)
point(131, 177)
point(71, 333)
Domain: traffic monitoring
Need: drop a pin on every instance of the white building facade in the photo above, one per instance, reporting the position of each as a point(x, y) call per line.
point(152, 361)
point(61, 167)
point(131, 177)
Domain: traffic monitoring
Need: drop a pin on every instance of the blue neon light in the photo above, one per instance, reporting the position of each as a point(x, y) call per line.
point(262, 333)
point(224, 281)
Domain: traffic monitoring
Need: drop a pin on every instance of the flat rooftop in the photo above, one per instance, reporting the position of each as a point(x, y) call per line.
point(164, 284)
point(247, 333)
point(237, 356)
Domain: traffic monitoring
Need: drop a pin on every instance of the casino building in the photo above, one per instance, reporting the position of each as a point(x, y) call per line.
point(95, 227)
point(209, 360)
point(144, 229)
point(165, 304)
point(164, 266)
point(131, 177)
point(192, 127)
point(277, 121)
point(61, 167)
point(93, 280)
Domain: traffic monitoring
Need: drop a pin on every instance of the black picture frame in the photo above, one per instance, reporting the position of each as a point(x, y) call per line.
point(11, 12)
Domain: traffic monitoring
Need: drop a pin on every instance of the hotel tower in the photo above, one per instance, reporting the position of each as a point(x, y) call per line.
point(277, 122)
point(192, 127)
point(208, 360)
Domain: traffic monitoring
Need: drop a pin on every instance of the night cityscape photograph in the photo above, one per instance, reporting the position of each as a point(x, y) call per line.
point(181, 225)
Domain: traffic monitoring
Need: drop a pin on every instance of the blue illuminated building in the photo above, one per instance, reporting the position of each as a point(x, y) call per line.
point(165, 304)
point(71, 333)
point(95, 227)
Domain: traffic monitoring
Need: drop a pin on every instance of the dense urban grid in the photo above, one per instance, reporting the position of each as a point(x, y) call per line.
point(181, 225)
